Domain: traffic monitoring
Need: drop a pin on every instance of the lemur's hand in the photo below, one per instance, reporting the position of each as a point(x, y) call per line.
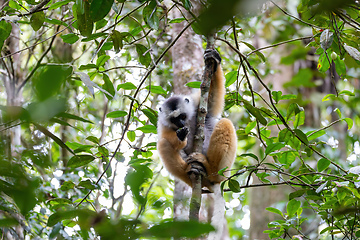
point(212, 54)
point(182, 133)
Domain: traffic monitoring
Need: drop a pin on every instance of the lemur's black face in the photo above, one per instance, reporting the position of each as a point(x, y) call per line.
point(179, 121)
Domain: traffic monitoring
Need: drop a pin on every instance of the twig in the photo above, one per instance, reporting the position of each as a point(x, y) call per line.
point(278, 44)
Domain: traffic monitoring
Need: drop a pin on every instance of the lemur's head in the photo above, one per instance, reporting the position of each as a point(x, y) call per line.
point(176, 111)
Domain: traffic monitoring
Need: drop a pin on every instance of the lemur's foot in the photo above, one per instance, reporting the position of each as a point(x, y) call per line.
point(182, 133)
point(196, 163)
point(212, 54)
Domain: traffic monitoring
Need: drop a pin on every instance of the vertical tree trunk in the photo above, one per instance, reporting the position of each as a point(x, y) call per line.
point(187, 61)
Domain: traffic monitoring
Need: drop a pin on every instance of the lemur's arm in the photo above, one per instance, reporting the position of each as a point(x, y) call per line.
point(169, 145)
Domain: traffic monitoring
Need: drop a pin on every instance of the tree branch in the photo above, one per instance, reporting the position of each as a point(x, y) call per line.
point(195, 175)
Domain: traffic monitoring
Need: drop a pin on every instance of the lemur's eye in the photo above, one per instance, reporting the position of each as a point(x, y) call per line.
point(182, 116)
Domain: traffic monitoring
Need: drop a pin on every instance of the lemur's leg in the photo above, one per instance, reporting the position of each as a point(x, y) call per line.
point(222, 150)
point(217, 86)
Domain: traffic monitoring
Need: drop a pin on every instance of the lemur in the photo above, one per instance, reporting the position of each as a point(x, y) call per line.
point(176, 129)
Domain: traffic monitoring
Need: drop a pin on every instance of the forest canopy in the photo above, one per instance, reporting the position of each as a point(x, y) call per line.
point(81, 82)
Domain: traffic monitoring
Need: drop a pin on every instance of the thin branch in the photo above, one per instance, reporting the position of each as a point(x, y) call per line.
point(278, 44)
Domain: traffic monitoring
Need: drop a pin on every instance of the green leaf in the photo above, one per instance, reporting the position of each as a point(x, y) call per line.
point(37, 20)
point(5, 30)
point(84, 21)
point(93, 139)
point(116, 114)
point(349, 122)
point(315, 135)
point(148, 129)
point(70, 38)
point(117, 39)
point(347, 92)
point(127, 86)
point(250, 127)
point(135, 178)
point(299, 119)
point(150, 16)
point(292, 207)
point(177, 20)
point(255, 112)
point(151, 114)
point(272, 147)
point(340, 66)
point(276, 95)
point(108, 86)
point(287, 158)
point(102, 60)
point(293, 108)
point(58, 74)
point(328, 97)
point(88, 184)
point(230, 77)
point(285, 135)
point(323, 164)
point(296, 194)
point(99, 9)
point(194, 84)
point(249, 155)
point(274, 210)
point(88, 66)
point(323, 63)
point(156, 89)
point(301, 136)
point(288, 97)
point(59, 4)
point(144, 55)
point(80, 160)
point(234, 185)
point(131, 136)
point(258, 53)
point(67, 185)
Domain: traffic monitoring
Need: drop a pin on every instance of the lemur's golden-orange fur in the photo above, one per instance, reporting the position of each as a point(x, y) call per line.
point(176, 126)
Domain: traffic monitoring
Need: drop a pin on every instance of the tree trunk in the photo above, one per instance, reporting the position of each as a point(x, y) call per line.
point(187, 61)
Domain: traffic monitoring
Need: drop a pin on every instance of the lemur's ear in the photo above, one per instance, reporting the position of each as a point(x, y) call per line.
point(187, 100)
